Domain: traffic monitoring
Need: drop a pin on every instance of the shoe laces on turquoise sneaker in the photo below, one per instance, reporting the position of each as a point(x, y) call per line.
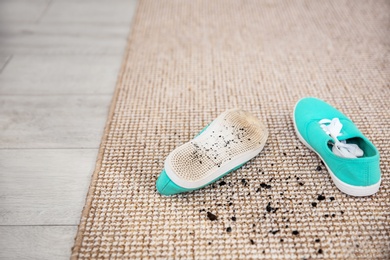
point(351, 159)
point(340, 148)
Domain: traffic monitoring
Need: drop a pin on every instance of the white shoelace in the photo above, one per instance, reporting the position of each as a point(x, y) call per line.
point(340, 148)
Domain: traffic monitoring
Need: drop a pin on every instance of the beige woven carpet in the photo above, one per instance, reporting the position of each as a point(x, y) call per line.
point(188, 61)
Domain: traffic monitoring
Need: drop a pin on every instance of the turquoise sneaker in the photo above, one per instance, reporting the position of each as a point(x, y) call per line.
point(232, 139)
point(351, 159)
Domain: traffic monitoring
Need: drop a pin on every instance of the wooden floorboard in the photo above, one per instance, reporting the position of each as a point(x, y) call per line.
point(63, 39)
point(22, 10)
point(116, 12)
point(59, 74)
point(36, 242)
point(44, 186)
point(52, 121)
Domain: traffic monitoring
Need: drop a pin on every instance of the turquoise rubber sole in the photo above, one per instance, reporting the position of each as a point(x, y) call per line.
point(167, 187)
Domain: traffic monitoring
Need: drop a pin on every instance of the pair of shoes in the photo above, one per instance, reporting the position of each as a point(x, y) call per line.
point(236, 136)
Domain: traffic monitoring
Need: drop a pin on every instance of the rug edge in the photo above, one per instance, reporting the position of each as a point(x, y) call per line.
point(91, 189)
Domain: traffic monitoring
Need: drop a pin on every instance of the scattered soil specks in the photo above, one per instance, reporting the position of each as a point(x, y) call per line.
point(264, 185)
point(321, 197)
point(295, 232)
point(211, 216)
point(222, 183)
point(229, 229)
point(271, 209)
point(252, 242)
point(318, 168)
point(234, 218)
point(314, 204)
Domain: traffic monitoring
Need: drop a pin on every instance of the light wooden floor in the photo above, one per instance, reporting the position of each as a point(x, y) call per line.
point(59, 61)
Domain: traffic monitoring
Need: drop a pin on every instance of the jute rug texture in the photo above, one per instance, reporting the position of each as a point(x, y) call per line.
point(188, 61)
